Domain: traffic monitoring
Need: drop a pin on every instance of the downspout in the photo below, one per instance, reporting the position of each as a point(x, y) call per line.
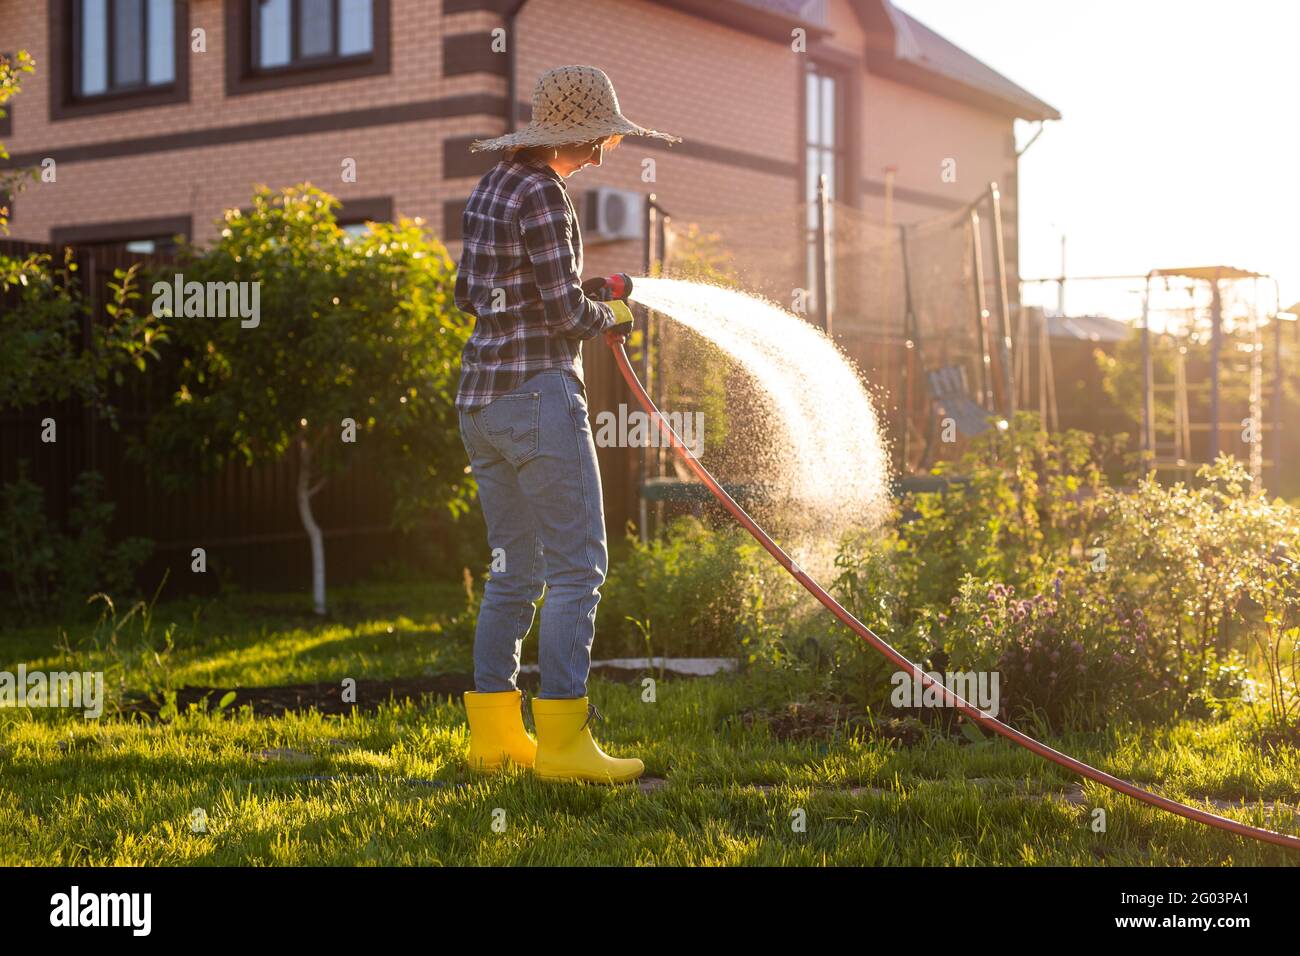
point(512, 66)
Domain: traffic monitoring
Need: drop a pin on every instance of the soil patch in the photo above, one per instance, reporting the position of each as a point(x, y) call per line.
point(371, 693)
point(827, 720)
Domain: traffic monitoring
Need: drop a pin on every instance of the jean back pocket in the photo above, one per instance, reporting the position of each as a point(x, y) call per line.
point(511, 423)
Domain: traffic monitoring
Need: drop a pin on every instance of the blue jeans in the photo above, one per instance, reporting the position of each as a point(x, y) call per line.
point(534, 459)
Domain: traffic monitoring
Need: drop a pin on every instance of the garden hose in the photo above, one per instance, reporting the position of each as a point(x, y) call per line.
point(616, 339)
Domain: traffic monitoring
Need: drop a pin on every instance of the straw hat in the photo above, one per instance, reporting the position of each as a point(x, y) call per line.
point(571, 104)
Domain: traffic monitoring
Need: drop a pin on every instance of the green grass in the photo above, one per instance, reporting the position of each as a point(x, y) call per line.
point(261, 640)
point(390, 786)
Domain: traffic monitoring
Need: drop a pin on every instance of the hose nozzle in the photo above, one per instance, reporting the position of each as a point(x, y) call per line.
point(609, 288)
point(619, 285)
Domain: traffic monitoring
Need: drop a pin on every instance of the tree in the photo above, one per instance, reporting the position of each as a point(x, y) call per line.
point(354, 351)
point(10, 85)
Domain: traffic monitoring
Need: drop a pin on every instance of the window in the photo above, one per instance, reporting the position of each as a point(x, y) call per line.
point(825, 153)
point(144, 236)
point(116, 54)
point(300, 32)
point(355, 213)
point(122, 46)
point(155, 245)
point(288, 42)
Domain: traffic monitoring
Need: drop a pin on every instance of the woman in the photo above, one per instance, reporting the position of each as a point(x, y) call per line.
point(523, 420)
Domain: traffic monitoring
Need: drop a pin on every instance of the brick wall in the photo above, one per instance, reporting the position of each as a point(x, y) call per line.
point(399, 159)
point(733, 97)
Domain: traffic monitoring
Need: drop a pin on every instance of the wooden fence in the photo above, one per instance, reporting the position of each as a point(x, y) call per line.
point(245, 518)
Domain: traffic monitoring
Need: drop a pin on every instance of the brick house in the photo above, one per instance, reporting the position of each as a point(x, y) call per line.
point(161, 114)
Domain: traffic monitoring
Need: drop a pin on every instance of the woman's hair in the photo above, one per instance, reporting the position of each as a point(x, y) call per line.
point(543, 153)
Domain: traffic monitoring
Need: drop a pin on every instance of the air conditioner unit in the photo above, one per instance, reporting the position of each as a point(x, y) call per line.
point(613, 214)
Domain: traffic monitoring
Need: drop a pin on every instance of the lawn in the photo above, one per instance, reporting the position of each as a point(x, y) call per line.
point(731, 778)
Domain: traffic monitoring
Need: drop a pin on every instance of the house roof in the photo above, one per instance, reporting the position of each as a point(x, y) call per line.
point(1086, 328)
point(1209, 272)
point(899, 47)
point(917, 43)
point(902, 48)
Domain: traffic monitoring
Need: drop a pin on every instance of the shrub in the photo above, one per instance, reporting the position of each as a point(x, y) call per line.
point(41, 324)
point(27, 551)
point(695, 591)
point(1093, 603)
point(1021, 503)
point(1074, 653)
point(1198, 560)
point(51, 568)
point(1274, 587)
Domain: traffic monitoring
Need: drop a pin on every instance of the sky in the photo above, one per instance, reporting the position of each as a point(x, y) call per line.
point(1179, 142)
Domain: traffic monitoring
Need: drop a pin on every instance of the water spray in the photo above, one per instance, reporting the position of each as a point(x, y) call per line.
point(617, 336)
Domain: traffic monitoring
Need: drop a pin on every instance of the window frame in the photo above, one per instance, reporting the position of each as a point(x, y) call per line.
point(242, 76)
point(355, 212)
point(843, 72)
point(848, 71)
point(839, 150)
point(65, 70)
point(121, 232)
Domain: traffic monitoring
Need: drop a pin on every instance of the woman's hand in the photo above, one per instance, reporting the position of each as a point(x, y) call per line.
point(619, 333)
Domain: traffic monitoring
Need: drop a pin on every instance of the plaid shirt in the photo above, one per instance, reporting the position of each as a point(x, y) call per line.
point(520, 278)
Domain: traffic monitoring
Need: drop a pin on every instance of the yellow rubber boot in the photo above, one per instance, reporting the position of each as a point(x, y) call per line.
point(496, 730)
point(566, 749)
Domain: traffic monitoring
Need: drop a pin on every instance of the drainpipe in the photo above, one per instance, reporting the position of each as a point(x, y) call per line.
point(512, 65)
